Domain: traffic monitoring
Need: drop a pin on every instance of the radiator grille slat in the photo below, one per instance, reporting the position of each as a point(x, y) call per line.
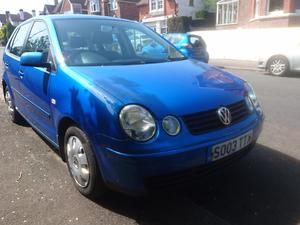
point(203, 122)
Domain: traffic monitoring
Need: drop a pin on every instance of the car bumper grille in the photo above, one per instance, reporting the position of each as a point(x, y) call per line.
point(208, 121)
point(192, 175)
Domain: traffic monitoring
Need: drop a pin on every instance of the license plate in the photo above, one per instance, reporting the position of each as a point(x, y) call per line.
point(227, 148)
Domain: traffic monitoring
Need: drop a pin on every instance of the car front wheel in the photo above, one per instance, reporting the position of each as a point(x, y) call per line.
point(278, 66)
point(82, 163)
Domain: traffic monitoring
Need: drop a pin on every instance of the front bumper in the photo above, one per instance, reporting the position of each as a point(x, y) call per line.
point(138, 173)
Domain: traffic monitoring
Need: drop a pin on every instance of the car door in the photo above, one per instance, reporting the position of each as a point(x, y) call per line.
point(12, 63)
point(35, 81)
point(198, 47)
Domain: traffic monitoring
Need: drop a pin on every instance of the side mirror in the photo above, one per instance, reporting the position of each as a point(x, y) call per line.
point(34, 59)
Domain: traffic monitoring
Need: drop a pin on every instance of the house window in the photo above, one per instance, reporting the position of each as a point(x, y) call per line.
point(298, 6)
point(113, 4)
point(191, 2)
point(275, 6)
point(94, 6)
point(156, 5)
point(227, 12)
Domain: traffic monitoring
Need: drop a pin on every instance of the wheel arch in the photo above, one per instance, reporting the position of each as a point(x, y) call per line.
point(4, 85)
point(62, 127)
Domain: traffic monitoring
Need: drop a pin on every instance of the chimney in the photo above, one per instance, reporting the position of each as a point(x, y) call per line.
point(21, 14)
point(7, 15)
point(33, 13)
point(55, 2)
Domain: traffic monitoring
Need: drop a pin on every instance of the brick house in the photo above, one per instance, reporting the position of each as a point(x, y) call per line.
point(119, 8)
point(257, 13)
point(124, 9)
point(66, 7)
point(155, 13)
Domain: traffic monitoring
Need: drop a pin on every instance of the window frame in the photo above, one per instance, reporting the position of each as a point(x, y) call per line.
point(51, 52)
point(156, 9)
point(94, 6)
point(14, 37)
point(276, 12)
point(227, 17)
point(32, 26)
point(113, 5)
point(191, 3)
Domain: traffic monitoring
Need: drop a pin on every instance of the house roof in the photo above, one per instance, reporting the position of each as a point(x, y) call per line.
point(15, 17)
point(49, 8)
point(2, 18)
point(57, 8)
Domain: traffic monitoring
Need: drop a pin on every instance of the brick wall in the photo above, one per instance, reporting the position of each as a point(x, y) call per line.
point(143, 11)
point(128, 10)
point(170, 9)
point(66, 6)
point(246, 18)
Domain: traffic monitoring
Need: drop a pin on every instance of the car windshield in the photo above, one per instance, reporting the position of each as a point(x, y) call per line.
point(103, 42)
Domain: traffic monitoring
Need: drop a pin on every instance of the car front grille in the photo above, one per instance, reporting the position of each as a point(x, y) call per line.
point(208, 121)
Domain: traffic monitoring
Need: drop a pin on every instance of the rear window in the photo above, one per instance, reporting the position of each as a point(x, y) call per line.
point(175, 39)
point(196, 42)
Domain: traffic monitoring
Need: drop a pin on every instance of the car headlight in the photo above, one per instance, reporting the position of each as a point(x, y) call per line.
point(137, 122)
point(251, 95)
point(171, 125)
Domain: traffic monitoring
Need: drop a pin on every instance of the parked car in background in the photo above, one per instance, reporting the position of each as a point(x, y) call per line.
point(120, 117)
point(280, 63)
point(192, 46)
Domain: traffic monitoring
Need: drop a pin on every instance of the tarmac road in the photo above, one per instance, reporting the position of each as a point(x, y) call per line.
point(261, 189)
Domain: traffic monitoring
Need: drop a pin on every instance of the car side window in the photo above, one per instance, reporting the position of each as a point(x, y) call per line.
point(38, 40)
point(16, 47)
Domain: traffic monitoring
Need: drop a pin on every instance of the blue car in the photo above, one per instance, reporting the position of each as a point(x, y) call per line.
point(192, 46)
point(120, 118)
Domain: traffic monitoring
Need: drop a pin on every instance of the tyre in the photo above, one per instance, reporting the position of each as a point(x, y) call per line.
point(278, 66)
point(14, 115)
point(82, 163)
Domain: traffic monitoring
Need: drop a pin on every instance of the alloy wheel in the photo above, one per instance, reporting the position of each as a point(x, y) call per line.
point(278, 67)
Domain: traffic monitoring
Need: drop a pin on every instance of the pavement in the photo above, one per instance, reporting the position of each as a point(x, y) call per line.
point(235, 64)
point(261, 189)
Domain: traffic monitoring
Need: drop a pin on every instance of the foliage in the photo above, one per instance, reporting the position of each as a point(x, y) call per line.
point(210, 5)
point(179, 24)
point(5, 32)
point(201, 14)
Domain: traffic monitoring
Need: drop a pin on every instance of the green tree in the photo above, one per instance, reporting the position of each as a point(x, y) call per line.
point(210, 5)
point(5, 32)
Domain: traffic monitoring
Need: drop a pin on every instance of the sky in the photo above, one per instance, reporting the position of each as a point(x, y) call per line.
point(27, 5)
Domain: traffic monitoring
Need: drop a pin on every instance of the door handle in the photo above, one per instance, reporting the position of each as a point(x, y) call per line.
point(6, 65)
point(21, 73)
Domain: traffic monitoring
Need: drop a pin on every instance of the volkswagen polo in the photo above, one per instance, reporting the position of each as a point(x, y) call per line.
point(120, 117)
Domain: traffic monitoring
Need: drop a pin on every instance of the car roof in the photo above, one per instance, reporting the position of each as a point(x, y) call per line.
point(78, 16)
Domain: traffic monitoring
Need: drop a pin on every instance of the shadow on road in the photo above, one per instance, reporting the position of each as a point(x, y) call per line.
point(289, 75)
point(261, 189)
